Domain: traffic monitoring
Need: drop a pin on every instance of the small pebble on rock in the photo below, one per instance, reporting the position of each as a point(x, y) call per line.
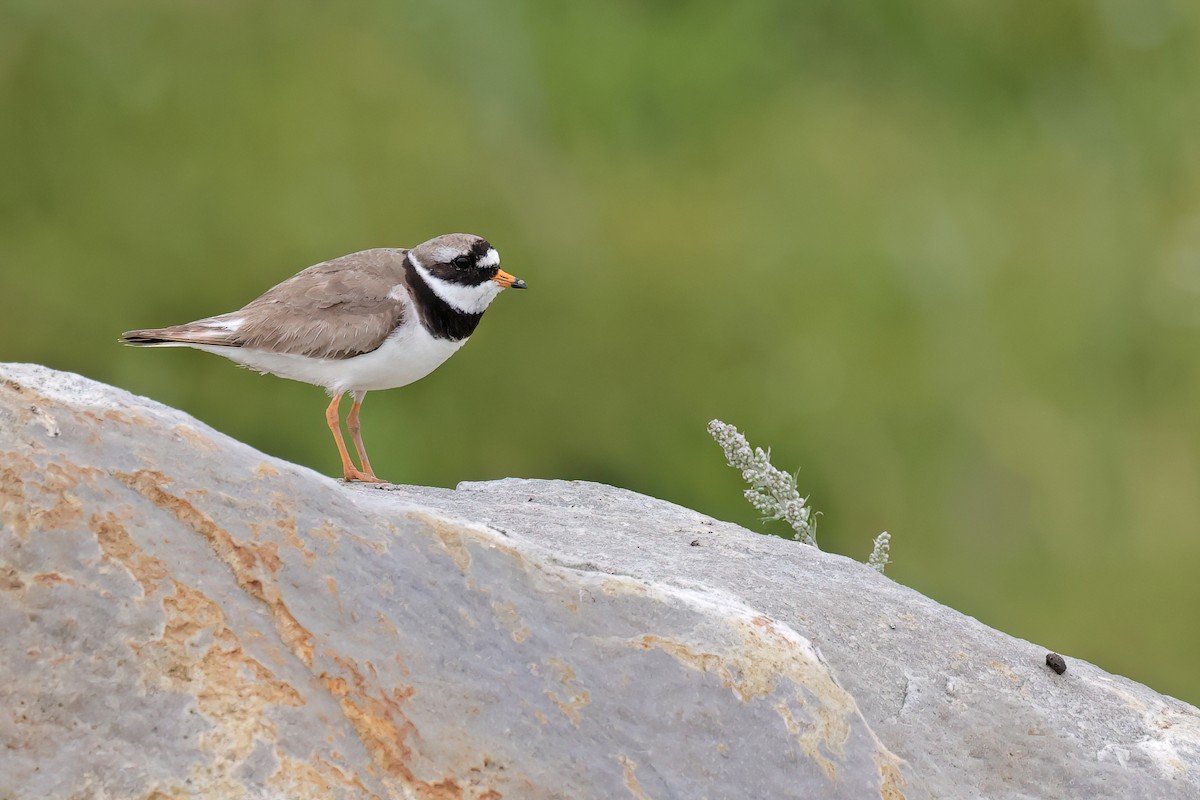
point(1056, 662)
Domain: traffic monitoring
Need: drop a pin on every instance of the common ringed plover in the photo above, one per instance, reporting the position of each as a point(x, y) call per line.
point(377, 319)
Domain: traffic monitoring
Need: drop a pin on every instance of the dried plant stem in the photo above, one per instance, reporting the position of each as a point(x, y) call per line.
point(879, 552)
point(772, 491)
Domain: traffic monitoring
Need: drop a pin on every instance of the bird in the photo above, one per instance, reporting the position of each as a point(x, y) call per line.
point(376, 319)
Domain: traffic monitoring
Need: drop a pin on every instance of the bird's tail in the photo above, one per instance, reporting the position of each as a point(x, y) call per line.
point(213, 331)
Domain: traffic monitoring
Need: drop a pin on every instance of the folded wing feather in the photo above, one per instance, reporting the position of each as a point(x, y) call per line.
point(336, 310)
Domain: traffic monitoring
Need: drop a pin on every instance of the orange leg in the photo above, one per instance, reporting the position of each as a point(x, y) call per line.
point(355, 428)
point(349, 471)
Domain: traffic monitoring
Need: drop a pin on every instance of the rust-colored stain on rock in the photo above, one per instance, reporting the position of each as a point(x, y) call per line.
point(22, 481)
point(234, 691)
point(891, 779)
point(629, 767)
point(51, 579)
point(194, 437)
point(265, 470)
point(10, 580)
point(252, 565)
point(451, 537)
point(379, 720)
point(510, 618)
point(286, 523)
point(763, 664)
point(118, 546)
point(577, 698)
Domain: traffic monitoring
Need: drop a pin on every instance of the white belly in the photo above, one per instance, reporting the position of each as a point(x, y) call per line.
point(408, 355)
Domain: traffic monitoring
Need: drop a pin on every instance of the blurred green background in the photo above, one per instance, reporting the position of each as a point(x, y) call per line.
point(944, 256)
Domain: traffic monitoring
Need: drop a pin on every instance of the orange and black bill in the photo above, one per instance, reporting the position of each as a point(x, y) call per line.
point(508, 281)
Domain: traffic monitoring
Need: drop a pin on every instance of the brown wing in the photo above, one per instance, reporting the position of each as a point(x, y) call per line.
point(338, 309)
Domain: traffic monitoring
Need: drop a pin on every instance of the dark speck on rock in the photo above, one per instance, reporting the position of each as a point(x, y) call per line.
point(1056, 662)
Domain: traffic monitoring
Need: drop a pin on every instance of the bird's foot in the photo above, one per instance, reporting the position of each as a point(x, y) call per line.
point(352, 474)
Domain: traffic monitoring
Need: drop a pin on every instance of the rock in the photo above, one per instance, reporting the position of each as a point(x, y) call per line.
point(184, 616)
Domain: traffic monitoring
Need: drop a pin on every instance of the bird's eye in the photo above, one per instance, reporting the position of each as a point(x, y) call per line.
point(463, 262)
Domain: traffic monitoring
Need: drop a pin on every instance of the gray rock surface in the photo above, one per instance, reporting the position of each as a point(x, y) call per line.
point(184, 616)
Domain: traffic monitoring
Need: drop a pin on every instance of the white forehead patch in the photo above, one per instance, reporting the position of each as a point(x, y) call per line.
point(490, 259)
